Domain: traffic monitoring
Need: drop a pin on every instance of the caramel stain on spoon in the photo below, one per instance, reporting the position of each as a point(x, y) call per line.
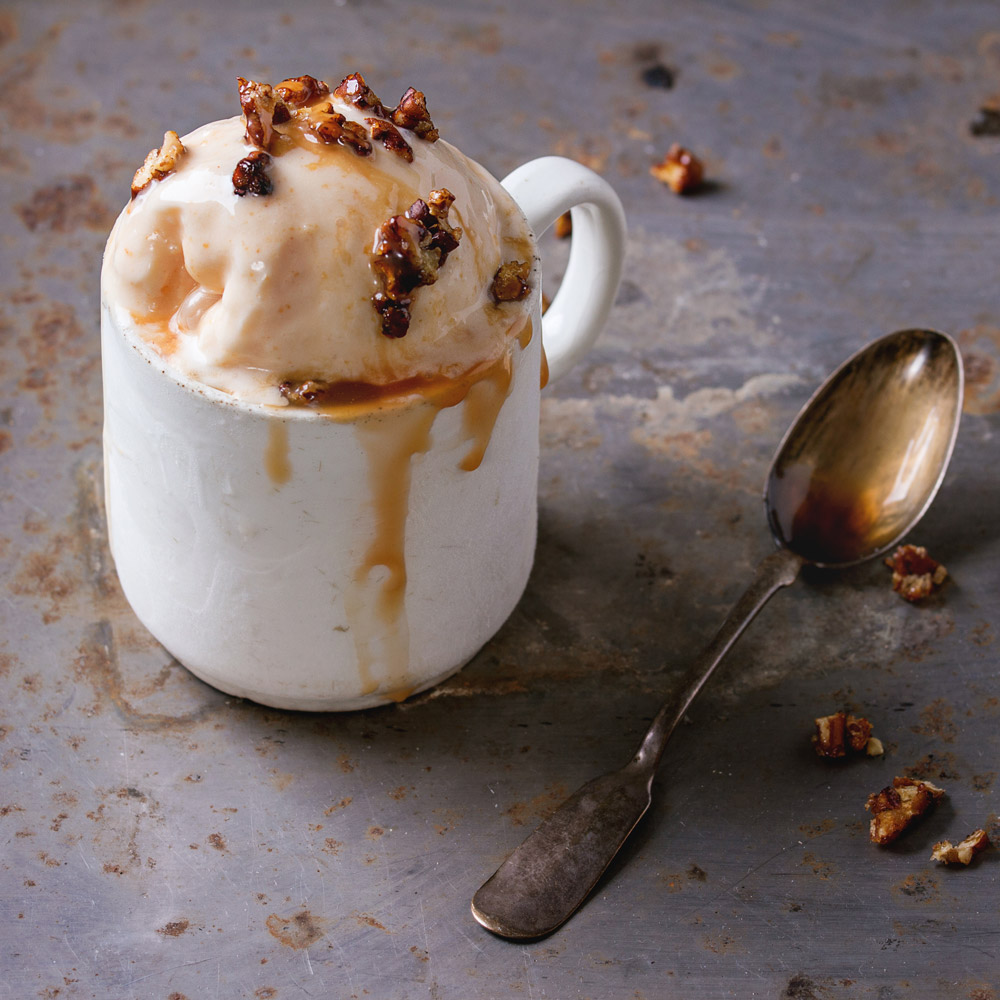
point(276, 460)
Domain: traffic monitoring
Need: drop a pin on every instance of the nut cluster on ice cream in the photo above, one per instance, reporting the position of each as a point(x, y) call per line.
point(317, 246)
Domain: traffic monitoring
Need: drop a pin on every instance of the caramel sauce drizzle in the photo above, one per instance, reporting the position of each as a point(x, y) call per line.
point(375, 602)
point(276, 460)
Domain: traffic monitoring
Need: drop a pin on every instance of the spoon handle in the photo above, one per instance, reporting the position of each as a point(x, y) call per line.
point(544, 880)
point(773, 572)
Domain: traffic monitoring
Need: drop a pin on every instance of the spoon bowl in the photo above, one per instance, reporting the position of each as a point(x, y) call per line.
point(866, 455)
point(858, 468)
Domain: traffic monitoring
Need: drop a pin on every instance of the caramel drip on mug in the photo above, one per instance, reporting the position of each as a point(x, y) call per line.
point(375, 602)
point(276, 461)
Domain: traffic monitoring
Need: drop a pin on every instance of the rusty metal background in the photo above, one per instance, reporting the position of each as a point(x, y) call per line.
point(163, 841)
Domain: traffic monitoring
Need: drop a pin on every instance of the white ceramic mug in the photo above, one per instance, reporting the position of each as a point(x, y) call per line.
point(327, 564)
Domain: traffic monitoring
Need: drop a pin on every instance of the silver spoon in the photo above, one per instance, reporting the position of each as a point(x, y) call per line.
point(857, 469)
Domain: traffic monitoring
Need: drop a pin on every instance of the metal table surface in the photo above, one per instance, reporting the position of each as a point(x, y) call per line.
point(162, 840)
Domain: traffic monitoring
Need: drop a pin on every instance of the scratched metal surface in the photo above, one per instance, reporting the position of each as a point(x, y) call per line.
point(161, 840)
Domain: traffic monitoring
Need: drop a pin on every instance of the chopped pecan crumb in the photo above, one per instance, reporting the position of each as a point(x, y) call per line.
point(874, 747)
point(261, 111)
point(895, 807)
point(986, 122)
point(301, 91)
point(354, 90)
point(680, 170)
point(158, 162)
point(408, 251)
point(915, 575)
point(305, 393)
point(333, 127)
point(510, 283)
point(837, 733)
point(963, 852)
point(250, 175)
point(564, 226)
point(390, 137)
point(411, 113)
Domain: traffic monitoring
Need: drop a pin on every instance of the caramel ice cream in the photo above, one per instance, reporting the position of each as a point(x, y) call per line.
point(318, 244)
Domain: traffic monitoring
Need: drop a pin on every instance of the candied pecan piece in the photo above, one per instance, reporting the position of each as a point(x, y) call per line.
point(840, 732)
point(408, 251)
point(261, 111)
point(158, 162)
point(332, 127)
point(308, 392)
point(354, 90)
point(986, 122)
point(829, 739)
point(411, 113)
point(895, 807)
point(680, 170)
point(510, 283)
point(250, 175)
point(915, 575)
point(874, 747)
point(963, 852)
point(563, 227)
point(300, 91)
point(390, 137)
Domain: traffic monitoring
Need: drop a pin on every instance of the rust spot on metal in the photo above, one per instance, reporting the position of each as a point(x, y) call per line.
point(331, 846)
point(300, 930)
point(800, 988)
point(113, 869)
point(983, 782)
point(8, 27)
point(400, 793)
point(538, 808)
point(367, 920)
point(374, 832)
point(67, 205)
point(177, 996)
point(97, 663)
point(981, 354)
point(337, 805)
point(936, 721)
point(215, 840)
point(940, 765)
point(265, 993)
point(175, 928)
point(41, 576)
point(818, 866)
point(817, 829)
point(921, 887)
point(345, 763)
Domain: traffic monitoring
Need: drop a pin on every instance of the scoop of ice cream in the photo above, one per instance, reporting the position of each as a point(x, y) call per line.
point(250, 253)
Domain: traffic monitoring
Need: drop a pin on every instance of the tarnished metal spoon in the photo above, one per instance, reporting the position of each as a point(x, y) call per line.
point(857, 469)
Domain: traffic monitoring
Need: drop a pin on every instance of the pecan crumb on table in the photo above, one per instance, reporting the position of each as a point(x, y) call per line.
point(963, 852)
point(915, 575)
point(680, 170)
point(838, 733)
point(895, 807)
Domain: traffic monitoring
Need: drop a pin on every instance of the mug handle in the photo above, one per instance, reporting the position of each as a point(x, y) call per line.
point(546, 188)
